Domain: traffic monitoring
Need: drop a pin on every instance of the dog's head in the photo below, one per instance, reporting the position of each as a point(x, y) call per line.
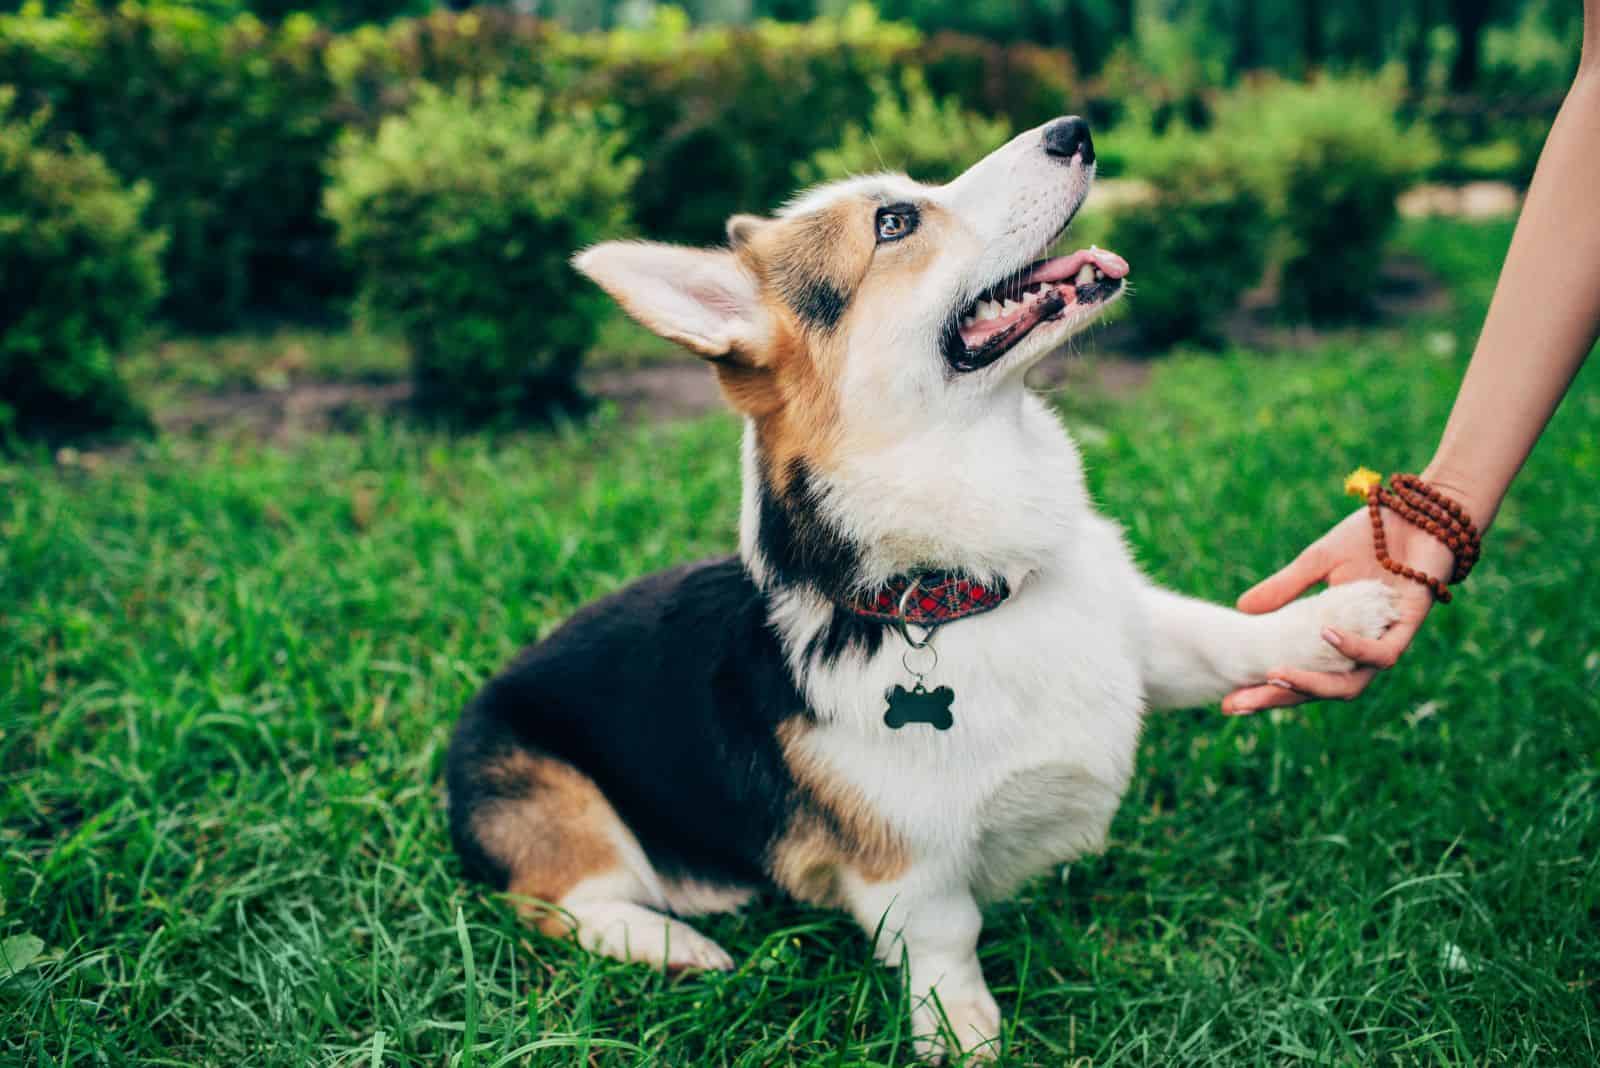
point(871, 326)
point(880, 287)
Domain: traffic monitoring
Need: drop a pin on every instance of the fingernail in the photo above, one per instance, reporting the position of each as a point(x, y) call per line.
point(1240, 708)
point(1280, 684)
point(1332, 637)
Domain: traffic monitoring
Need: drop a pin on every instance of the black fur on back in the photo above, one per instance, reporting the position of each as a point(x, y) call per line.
point(668, 695)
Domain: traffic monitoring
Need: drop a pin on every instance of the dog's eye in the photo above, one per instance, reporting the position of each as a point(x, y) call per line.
point(895, 223)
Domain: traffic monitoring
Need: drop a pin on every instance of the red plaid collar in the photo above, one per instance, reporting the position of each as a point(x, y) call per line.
point(939, 597)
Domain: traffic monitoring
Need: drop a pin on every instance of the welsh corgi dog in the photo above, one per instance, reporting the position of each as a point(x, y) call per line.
point(921, 680)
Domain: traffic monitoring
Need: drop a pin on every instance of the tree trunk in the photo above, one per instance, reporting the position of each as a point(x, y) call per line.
point(1423, 16)
point(1125, 19)
point(1469, 18)
point(1312, 41)
point(1247, 53)
point(1371, 33)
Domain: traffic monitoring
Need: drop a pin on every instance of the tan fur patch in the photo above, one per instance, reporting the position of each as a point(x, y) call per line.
point(551, 828)
point(810, 267)
point(831, 831)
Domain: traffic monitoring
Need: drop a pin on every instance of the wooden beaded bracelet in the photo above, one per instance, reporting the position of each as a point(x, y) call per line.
point(1419, 504)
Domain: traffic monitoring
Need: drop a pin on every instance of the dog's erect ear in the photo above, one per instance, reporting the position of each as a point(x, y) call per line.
point(703, 299)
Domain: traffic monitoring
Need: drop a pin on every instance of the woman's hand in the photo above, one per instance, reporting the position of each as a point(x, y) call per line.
point(1345, 554)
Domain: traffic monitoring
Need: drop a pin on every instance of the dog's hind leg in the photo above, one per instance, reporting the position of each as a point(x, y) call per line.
point(571, 866)
point(600, 914)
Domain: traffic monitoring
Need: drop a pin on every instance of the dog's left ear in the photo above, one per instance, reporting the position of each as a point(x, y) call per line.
point(704, 299)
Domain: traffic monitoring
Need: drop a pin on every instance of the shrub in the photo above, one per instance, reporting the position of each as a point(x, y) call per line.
point(909, 130)
point(231, 120)
point(1023, 82)
point(1196, 243)
point(228, 121)
point(78, 273)
point(460, 216)
point(1332, 157)
point(719, 116)
point(1482, 138)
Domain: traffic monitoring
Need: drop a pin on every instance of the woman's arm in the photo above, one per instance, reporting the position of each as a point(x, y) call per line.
point(1546, 308)
point(1542, 323)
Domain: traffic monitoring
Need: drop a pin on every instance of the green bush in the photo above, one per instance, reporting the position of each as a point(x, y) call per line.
point(720, 116)
point(229, 122)
point(1482, 138)
point(1025, 83)
point(716, 115)
point(1332, 157)
point(1196, 243)
point(460, 216)
point(78, 274)
point(908, 130)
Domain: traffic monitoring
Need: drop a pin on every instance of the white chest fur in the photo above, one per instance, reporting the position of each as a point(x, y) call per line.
point(1047, 710)
point(1048, 687)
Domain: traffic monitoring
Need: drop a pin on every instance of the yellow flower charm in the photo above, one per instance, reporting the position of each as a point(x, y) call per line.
point(1360, 482)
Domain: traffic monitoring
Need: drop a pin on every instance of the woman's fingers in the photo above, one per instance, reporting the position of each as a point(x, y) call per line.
point(1381, 653)
point(1324, 685)
point(1344, 554)
point(1270, 594)
point(1259, 698)
point(1290, 686)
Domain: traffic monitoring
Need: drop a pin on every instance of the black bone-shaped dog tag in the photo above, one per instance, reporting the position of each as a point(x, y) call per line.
point(920, 705)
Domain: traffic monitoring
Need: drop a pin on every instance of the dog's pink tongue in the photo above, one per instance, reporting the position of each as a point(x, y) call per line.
point(1111, 263)
point(1064, 267)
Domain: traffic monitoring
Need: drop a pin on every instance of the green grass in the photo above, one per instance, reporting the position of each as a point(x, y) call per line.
point(228, 673)
point(165, 367)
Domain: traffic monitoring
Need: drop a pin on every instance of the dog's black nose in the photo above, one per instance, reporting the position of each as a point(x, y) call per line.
point(1069, 137)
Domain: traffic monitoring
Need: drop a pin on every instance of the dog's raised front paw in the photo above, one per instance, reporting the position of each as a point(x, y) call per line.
point(1365, 608)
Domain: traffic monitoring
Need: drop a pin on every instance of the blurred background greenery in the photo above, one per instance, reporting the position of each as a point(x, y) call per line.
point(421, 174)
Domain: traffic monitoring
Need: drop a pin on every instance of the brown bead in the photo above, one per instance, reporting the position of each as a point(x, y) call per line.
point(1430, 511)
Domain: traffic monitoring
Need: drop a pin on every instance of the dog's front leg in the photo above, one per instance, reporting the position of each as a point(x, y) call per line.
point(934, 931)
point(1196, 652)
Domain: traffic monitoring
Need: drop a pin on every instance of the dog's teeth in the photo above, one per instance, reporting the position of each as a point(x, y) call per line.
point(1086, 275)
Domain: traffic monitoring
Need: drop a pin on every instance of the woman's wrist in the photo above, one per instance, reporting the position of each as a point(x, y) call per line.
point(1480, 503)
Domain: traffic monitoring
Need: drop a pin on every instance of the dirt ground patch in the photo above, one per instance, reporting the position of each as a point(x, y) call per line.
point(682, 389)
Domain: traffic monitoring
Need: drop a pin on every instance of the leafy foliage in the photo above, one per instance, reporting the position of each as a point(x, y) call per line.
point(719, 117)
point(1332, 158)
point(1301, 177)
point(1023, 82)
point(79, 272)
point(231, 119)
point(1196, 243)
point(460, 216)
point(909, 130)
point(228, 122)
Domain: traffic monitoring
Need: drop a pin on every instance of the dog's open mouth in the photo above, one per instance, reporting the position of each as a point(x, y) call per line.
point(1042, 292)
